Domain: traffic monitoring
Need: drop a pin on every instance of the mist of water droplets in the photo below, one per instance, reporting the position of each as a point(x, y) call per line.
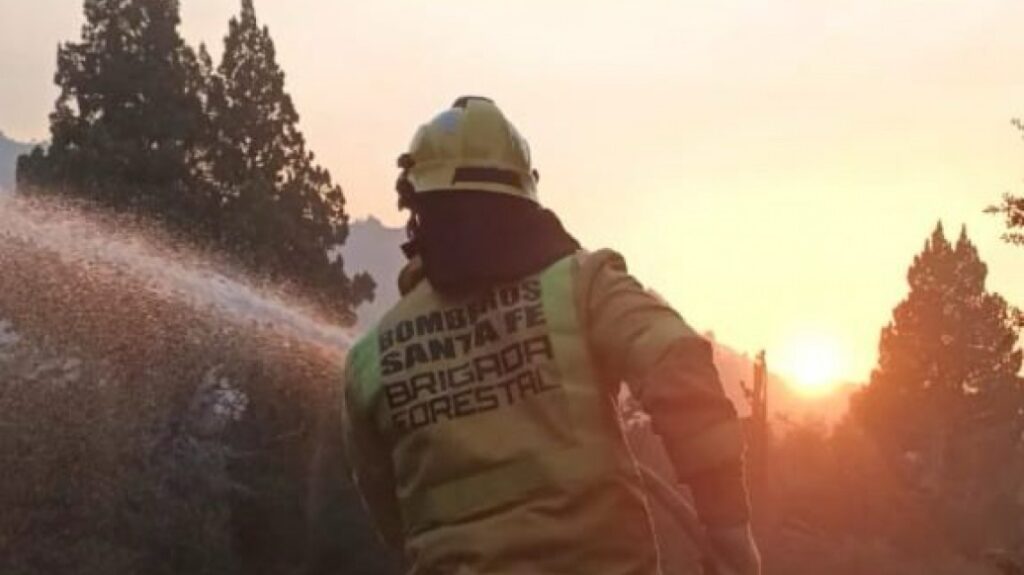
point(172, 273)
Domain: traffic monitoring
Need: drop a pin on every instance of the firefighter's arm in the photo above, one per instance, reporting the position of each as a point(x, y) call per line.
point(640, 339)
point(371, 468)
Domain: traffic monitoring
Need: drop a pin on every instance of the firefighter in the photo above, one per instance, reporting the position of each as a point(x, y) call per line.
point(482, 426)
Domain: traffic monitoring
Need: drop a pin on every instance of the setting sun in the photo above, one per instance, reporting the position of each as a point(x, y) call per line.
point(812, 363)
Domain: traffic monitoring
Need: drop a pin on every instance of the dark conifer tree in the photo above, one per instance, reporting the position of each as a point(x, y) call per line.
point(145, 124)
point(947, 360)
point(128, 127)
point(1012, 210)
point(282, 210)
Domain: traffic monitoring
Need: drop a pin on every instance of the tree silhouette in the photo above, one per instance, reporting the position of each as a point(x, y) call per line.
point(128, 126)
point(144, 124)
point(948, 362)
point(282, 211)
point(1012, 210)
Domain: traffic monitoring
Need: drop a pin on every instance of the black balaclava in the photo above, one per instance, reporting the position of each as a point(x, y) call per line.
point(471, 241)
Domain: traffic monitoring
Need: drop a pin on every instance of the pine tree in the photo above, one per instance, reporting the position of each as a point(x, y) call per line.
point(282, 210)
point(947, 361)
point(145, 124)
point(1012, 210)
point(128, 127)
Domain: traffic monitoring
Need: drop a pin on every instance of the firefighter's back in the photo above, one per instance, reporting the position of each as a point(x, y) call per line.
point(506, 448)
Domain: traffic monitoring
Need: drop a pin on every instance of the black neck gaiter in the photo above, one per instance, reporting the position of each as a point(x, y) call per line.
point(471, 241)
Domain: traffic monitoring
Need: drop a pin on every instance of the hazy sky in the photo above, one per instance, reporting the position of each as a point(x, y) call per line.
point(770, 167)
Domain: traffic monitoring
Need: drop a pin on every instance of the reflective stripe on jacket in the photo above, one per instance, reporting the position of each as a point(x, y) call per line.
point(483, 431)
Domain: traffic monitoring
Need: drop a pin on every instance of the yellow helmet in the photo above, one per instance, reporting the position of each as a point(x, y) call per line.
point(471, 146)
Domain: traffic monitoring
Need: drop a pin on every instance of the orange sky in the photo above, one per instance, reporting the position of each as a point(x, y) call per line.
point(770, 167)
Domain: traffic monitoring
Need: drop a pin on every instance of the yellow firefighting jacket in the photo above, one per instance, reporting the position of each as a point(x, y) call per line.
point(482, 430)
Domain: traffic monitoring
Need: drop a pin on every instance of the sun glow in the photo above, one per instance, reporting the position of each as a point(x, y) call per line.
point(812, 363)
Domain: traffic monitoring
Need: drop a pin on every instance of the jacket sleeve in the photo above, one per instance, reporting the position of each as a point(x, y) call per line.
point(370, 465)
point(638, 338)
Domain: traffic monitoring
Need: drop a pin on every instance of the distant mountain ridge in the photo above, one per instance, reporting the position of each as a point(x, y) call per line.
point(9, 152)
